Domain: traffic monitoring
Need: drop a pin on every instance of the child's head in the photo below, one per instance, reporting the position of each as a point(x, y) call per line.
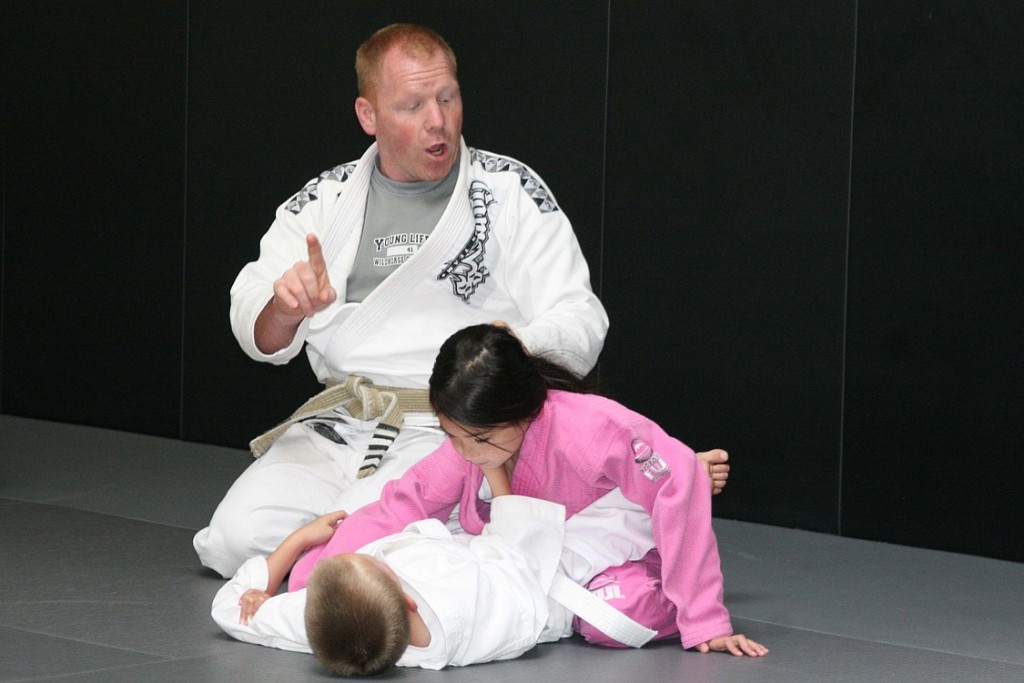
point(357, 616)
point(483, 377)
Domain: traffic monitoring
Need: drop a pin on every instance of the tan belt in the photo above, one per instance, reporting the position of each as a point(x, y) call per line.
point(361, 399)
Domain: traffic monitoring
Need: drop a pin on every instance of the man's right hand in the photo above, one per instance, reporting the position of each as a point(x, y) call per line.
point(301, 292)
point(305, 288)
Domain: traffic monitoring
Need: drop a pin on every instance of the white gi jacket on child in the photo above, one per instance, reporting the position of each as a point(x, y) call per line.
point(508, 569)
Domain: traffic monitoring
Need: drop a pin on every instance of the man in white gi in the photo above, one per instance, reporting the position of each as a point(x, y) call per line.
point(371, 267)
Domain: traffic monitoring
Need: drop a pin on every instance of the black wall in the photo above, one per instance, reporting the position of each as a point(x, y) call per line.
point(803, 217)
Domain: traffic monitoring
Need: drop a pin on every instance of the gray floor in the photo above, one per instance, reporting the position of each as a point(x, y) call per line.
point(101, 584)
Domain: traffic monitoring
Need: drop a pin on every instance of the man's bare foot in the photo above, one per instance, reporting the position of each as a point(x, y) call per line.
point(716, 465)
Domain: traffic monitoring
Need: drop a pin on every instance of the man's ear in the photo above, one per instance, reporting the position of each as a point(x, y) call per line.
point(366, 115)
point(410, 603)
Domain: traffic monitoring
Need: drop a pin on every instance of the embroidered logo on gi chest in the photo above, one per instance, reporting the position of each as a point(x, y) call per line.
point(651, 464)
point(467, 270)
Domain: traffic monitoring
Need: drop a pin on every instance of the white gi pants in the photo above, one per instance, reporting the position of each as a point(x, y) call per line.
point(301, 477)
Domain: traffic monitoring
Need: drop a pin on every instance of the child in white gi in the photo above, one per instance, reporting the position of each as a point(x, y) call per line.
point(400, 599)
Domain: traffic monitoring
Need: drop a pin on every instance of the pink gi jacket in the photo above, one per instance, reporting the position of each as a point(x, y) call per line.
point(579, 447)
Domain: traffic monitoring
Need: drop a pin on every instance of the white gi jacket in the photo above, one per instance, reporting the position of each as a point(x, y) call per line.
point(502, 250)
point(508, 571)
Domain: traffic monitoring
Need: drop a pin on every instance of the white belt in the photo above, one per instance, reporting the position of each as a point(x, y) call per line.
point(598, 613)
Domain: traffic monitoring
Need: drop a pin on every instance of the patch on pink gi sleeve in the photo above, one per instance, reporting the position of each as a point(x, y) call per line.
point(651, 464)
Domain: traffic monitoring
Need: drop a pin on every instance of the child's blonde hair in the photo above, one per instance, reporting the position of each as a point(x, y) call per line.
point(357, 618)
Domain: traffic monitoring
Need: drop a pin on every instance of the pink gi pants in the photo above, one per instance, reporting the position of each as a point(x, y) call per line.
point(635, 589)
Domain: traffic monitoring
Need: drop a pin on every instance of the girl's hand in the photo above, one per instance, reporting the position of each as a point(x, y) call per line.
point(737, 645)
point(498, 479)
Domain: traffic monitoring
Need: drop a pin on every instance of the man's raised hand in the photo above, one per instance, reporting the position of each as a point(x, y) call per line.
point(301, 292)
point(305, 288)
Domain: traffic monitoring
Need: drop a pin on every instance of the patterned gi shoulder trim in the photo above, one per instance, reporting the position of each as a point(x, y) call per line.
point(311, 192)
point(495, 163)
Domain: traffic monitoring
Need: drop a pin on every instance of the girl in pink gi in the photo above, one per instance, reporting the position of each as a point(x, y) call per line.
point(504, 408)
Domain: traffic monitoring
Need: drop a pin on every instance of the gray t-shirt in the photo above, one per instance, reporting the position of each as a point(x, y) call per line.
point(399, 218)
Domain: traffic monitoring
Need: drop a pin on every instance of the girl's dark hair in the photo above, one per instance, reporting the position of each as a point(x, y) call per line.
point(483, 377)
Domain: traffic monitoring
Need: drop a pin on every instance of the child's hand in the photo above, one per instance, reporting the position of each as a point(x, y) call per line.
point(250, 602)
point(738, 645)
point(321, 529)
point(497, 479)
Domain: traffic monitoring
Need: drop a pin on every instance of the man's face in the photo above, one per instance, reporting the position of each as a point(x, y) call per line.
point(416, 116)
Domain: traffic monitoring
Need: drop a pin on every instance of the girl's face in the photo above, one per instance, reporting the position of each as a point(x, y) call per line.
point(485, 447)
